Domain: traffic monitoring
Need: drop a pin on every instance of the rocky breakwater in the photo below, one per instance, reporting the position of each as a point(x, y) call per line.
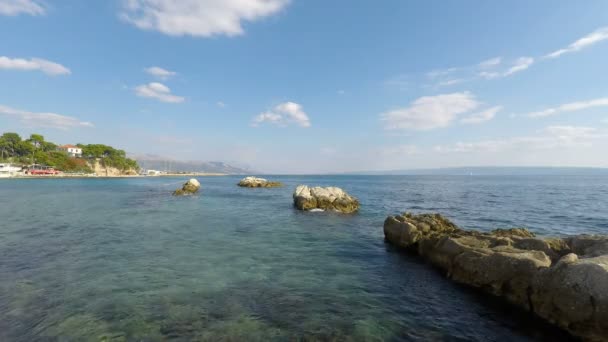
point(329, 198)
point(189, 188)
point(254, 182)
point(563, 280)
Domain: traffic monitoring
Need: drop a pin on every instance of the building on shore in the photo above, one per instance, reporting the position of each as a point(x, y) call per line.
point(71, 150)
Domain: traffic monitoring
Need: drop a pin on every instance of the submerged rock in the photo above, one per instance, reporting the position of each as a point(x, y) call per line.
point(254, 182)
point(564, 281)
point(330, 198)
point(189, 188)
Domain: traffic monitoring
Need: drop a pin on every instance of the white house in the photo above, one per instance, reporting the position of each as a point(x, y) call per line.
point(73, 151)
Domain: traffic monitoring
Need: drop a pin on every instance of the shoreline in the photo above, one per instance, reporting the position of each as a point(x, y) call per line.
point(67, 176)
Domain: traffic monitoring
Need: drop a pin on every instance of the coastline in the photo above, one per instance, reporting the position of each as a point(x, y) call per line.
point(68, 176)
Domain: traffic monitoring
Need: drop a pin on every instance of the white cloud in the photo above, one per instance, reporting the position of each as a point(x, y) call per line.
point(160, 73)
point(16, 7)
point(490, 63)
point(221, 104)
point(584, 42)
point(521, 64)
point(199, 18)
point(483, 116)
point(32, 64)
point(158, 91)
point(50, 120)
point(450, 82)
point(570, 107)
point(488, 69)
point(283, 114)
point(441, 72)
point(549, 138)
point(489, 75)
point(430, 112)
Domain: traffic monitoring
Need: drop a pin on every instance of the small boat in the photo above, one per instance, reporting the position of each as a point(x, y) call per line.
point(8, 170)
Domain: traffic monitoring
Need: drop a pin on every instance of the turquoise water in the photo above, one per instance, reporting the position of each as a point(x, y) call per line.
point(123, 260)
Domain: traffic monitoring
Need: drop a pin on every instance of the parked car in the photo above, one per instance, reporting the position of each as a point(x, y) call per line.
point(41, 170)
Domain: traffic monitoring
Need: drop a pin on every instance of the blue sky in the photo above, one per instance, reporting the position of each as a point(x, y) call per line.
point(313, 86)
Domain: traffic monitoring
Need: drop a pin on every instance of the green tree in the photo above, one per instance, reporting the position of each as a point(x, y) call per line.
point(37, 140)
point(45, 152)
point(11, 142)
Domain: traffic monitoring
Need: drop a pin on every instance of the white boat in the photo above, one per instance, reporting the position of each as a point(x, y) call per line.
point(8, 170)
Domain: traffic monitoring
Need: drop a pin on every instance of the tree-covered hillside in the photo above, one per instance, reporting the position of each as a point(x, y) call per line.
point(36, 150)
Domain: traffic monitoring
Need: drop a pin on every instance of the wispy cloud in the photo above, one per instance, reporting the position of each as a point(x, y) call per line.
point(482, 116)
point(50, 120)
point(159, 92)
point(284, 114)
point(548, 138)
point(160, 73)
point(450, 82)
point(221, 104)
point(490, 63)
point(519, 65)
point(591, 39)
point(430, 112)
point(489, 69)
point(496, 68)
point(33, 64)
point(570, 107)
point(198, 18)
point(16, 7)
point(440, 73)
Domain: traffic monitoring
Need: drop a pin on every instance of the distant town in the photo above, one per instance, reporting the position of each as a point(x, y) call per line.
point(36, 157)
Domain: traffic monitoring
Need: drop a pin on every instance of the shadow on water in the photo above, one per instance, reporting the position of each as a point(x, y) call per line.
point(488, 306)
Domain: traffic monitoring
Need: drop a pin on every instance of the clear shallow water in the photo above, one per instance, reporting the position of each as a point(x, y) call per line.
point(122, 260)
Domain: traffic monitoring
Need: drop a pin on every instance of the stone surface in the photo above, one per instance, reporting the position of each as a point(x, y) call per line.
point(107, 171)
point(329, 198)
point(189, 188)
point(255, 182)
point(564, 281)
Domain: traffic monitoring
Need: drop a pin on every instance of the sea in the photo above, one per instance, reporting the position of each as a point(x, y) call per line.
point(123, 260)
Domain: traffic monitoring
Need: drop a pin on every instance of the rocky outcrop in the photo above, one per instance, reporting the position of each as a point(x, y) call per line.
point(330, 198)
point(564, 281)
point(107, 171)
point(189, 188)
point(254, 182)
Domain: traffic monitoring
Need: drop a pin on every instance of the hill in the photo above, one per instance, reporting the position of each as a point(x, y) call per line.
point(148, 163)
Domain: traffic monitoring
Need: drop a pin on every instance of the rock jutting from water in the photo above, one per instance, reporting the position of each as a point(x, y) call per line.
point(563, 280)
point(329, 198)
point(189, 188)
point(255, 182)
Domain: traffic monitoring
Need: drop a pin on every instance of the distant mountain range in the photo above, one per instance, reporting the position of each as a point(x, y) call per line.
point(152, 163)
point(493, 171)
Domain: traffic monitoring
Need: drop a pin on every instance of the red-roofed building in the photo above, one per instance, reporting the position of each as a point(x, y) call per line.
point(73, 151)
